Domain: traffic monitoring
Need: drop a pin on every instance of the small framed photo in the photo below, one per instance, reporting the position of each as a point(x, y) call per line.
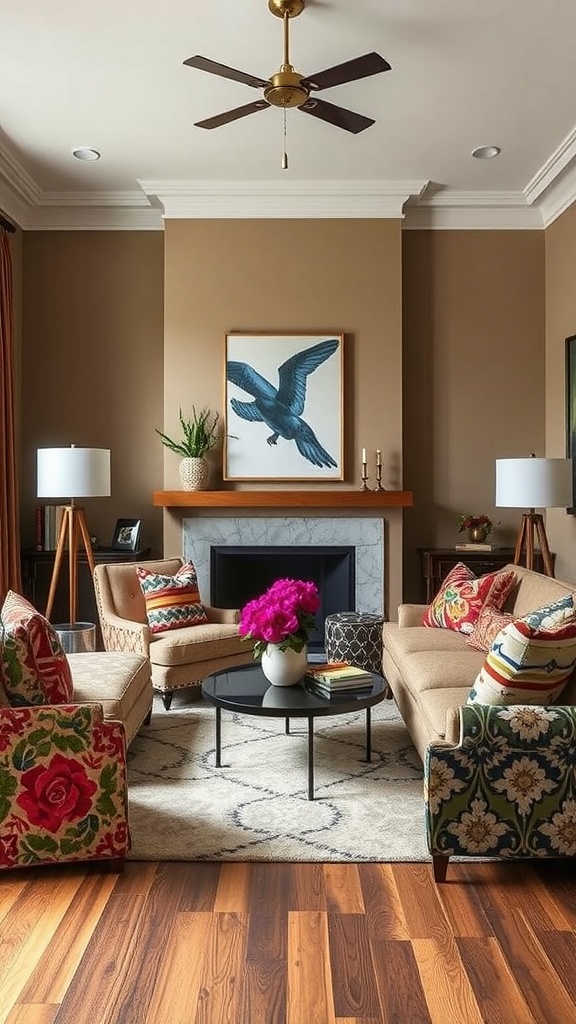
point(283, 401)
point(126, 535)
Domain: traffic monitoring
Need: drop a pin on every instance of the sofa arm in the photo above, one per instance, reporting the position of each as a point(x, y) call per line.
point(62, 786)
point(507, 789)
point(124, 635)
point(410, 614)
point(225, 616)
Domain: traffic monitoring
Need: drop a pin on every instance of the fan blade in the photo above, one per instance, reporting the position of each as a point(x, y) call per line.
point(204, 64)
point(350, 71)
point(339, 116)
point(232, 115)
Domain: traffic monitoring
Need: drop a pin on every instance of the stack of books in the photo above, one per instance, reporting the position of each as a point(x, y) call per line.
point(337, 677)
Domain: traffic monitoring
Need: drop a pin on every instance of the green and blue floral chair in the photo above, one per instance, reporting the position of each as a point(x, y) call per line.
point(508, 789)
point(62, 786)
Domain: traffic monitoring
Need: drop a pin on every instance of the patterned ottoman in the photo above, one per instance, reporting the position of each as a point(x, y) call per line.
point(355, 637)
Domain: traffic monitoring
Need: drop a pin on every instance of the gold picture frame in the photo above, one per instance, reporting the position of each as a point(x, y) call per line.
point(284, 406)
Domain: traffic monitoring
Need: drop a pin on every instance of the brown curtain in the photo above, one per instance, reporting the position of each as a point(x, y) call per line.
point(10, 578)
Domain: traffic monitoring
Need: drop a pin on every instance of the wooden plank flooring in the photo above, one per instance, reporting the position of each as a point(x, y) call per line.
point(260, 943)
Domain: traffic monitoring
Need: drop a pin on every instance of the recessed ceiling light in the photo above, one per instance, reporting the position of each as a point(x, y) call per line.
point(86, 154)
point(486, 152)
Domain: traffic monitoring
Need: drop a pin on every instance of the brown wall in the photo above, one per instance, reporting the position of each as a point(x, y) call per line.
point(560, 324)
point(341, 275)
point(92, 365)
point(473, 313)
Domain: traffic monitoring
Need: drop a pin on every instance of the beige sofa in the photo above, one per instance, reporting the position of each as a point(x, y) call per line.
point(430, 671)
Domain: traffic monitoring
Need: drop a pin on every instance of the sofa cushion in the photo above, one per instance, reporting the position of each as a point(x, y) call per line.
point(172, 602)
point(487, 626)
point(462, 594)
point(117, 680)
point(33, 665)
point(530, 660)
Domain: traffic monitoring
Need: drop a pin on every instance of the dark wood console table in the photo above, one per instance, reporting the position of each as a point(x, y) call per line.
point(437, 562)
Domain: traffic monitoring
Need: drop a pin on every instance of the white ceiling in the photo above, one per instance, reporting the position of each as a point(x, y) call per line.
point(110, 75)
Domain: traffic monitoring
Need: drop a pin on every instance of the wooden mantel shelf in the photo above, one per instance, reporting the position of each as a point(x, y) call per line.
point(282, 499)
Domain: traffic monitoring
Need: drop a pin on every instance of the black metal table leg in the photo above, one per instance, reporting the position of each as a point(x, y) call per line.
point(310, 758)
point(368, 734)
point(218, 736)
point(287, 726)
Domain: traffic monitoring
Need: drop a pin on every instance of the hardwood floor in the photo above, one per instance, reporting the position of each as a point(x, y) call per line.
point(259, 943)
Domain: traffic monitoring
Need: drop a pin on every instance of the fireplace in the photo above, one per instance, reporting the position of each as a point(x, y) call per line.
point(240, 573)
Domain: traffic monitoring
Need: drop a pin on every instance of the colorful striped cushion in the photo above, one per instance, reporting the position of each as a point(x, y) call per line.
point(531, 659)
point(172, 602)
point(462, 595)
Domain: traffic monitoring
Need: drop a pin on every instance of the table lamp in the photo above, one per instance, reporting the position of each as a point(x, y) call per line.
point(533, 483)
point(72, 473)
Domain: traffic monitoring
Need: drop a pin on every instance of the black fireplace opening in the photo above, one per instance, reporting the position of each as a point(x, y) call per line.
point(239, 574)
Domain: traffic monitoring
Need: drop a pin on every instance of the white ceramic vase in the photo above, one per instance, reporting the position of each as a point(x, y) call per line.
point(284, 668)
point(193, 474)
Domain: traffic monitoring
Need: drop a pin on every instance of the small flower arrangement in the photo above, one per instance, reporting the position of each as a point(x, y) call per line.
point(283, 615)
point(468, 522)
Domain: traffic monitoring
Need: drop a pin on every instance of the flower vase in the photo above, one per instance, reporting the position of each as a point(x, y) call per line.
point(284, 668)
point(477, 534)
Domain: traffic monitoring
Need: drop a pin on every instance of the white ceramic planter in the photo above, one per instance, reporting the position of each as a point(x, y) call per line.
point(284, 668)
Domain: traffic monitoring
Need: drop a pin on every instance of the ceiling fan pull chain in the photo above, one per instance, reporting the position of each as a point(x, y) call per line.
point(284, 154)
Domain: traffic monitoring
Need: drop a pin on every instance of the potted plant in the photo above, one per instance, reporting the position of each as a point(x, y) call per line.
point(478, 527)
point(199, 435)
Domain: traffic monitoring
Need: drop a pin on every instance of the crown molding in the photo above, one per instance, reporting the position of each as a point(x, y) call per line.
point(458, 210)
point(264, 199)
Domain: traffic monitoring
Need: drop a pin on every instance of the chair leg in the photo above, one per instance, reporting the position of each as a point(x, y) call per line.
point(440, 866)
point(148, 718)
point(167, 698)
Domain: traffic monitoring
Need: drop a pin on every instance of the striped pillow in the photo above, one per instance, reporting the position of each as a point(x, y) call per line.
point(172, 602)
point(530, 661)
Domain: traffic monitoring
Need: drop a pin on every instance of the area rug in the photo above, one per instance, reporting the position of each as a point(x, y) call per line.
point(255, 807)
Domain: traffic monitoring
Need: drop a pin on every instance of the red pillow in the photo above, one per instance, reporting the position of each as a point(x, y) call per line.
point(488, 624)
point(462, 595)
point(34, 667)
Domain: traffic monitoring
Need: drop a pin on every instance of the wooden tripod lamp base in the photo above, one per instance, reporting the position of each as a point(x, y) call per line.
point(72, 529)
point(533, 525)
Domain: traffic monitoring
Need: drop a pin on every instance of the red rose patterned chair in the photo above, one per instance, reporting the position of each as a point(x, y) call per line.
point(62, 764)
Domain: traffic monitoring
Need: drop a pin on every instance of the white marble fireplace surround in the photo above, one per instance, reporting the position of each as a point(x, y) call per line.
point(366, 535)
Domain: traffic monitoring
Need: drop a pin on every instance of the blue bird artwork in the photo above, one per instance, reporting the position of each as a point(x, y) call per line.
point(281, 408)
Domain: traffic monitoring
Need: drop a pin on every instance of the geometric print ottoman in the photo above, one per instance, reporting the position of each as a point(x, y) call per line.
point(355, 637)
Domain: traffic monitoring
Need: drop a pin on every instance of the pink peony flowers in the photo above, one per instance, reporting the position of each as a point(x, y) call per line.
point(283, 615)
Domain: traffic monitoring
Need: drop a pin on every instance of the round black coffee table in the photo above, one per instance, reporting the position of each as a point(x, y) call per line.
point(247, 691)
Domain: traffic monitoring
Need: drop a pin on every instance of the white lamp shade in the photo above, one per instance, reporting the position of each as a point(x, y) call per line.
point(534, 483)
point(73, 472)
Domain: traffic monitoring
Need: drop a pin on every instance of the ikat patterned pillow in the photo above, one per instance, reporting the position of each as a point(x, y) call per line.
point(33, 665)
point(530, 661)
point(172, 602)
point(462, 595)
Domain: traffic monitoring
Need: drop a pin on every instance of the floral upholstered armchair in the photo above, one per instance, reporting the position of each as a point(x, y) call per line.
point(508, 789)
point(62, 786)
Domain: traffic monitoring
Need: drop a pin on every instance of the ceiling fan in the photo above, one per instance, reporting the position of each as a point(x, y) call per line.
point(288, 88)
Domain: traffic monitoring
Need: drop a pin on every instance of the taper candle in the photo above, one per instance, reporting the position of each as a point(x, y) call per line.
point(364, 455)
point(378, 457)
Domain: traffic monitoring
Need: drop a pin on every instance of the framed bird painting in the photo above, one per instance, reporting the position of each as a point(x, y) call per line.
point(283, 401)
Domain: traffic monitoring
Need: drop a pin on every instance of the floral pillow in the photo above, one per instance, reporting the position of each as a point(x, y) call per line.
point(462, 595)
point(530, 661)
point(488, 624)
point(172, 602)
point(33, 665)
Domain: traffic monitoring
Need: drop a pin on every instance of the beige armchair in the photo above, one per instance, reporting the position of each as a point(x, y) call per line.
point(179, 657)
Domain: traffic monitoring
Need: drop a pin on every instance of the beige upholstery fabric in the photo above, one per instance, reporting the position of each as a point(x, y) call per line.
point(430, 671)
point(178, 657)
point(120, 682)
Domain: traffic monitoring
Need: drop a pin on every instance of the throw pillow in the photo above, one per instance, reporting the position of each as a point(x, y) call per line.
point(488, 624)
point(33, 665)
point(462, 595)
point(172, 602)
point(528, 663)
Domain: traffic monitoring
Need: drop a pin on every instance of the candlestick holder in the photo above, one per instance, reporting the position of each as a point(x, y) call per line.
point(364, 477)
point(379, 486)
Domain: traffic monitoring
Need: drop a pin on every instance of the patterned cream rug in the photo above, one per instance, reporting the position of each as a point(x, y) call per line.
point(255, 807)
